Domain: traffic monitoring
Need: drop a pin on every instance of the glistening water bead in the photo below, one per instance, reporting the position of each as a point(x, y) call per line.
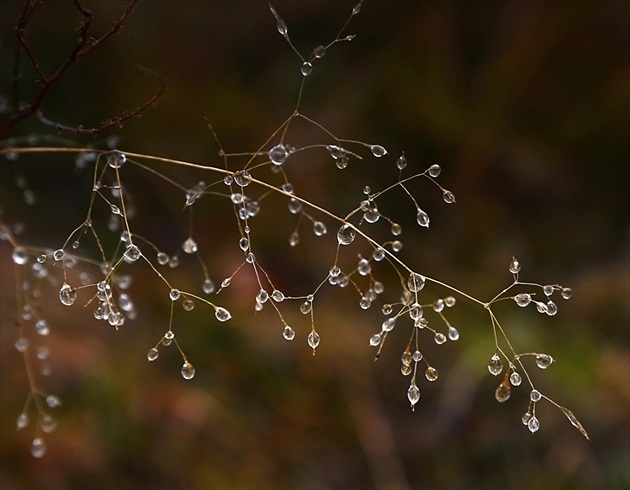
point(495, 366)
point(67, 295)
point(153, 354)
point(116, 159)
point(313, 340)
point(543, 361)
point(346, 235)
point(188, 371)
point(20, 257)
point(222, 314)
point(306, 69)
point(189, 246)
point(288, 333)
point(38, 447)
point(278, 155)
point(378, 151)
point(413, 394)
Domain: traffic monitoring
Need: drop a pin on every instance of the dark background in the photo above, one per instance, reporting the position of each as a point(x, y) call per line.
point(525, 104)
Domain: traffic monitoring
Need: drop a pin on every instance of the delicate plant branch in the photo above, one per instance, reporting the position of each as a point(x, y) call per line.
point(107, 283)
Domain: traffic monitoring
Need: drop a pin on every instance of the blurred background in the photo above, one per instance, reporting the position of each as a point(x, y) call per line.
point(526, 107)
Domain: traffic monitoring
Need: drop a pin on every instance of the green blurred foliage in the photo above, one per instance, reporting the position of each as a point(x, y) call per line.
point(525, 104)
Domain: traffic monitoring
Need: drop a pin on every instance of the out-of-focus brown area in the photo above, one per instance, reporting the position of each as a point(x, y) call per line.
point(525, 104)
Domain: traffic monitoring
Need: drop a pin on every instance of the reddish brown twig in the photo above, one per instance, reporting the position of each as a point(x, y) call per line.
point(83, 46)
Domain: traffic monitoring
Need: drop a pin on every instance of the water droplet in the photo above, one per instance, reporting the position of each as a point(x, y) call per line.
point(533, 424)
point(42, 327)
point(526, 418)
point(372, 214)
point(319, 51)
point(435, 170)
point(115, 210)
point(228, 179)
point(365, 302)
point(548, 290)
point(379, 254)
point(389, 324)
point(375, 339)
point(243, 244)
point(22, 421)
point(294, 206)
point(453, 333)
point(116, 159)
point(364, 268)
point(448, 196)
point(294, 238)
point(567, 293)
point(40, 258)
point(306, 68)
point(417, 356)
point(188, 371)
point(132, 253)
point(48, 423)
point(422, 218)
point(288, 333)
point(415, 282)
point(262, 296)
point(541, 307)
point(552, 309)
point(278, 154)
point(222, 314)
point(226, 282)
point(346, 235)
point(523, 299)
point(387, 309)
point(495, 365)
point(378, 151)
point(67, 295)
point(503, 391)
point(305, 307)
point(43, 352)
point(543, 361)
point(58, 255)
point(20, 257)
point(153, 354)
point(439, 338)
point(189, 246)
point(188, 304)
point(208, 286)
point(21, 344)
point(416, 311)
point(288, 188)
point(413, 394)
point(313, 340)
point(174, 294)
point(515, 379)
point(38, 447)
point(250, 258)
point(431, 373)
point(53, 401)
point(515, 266)
point(535, 396)
point(277, 296)
point(76, 244)
point(162, 258)
point(242, 178)
point(396, 229)
point(406, 357)
point(319, 228)
point(401, 162)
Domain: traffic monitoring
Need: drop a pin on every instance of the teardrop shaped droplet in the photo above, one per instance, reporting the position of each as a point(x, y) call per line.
point(415, 282)
point(378, 151)
point(188, 371)
point(515, 266)
point(543, 361)
point(153, 354)
point(346, 235)
point(431, 373)
point(413, 394)
point(313, 340)
point(67, 295)
point(503, 391)
point(288, 333)
point(495, 365)
point(222, 314)
point(189, 246)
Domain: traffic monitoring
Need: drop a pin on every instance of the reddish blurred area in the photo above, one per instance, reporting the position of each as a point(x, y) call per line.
point(526, 105)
